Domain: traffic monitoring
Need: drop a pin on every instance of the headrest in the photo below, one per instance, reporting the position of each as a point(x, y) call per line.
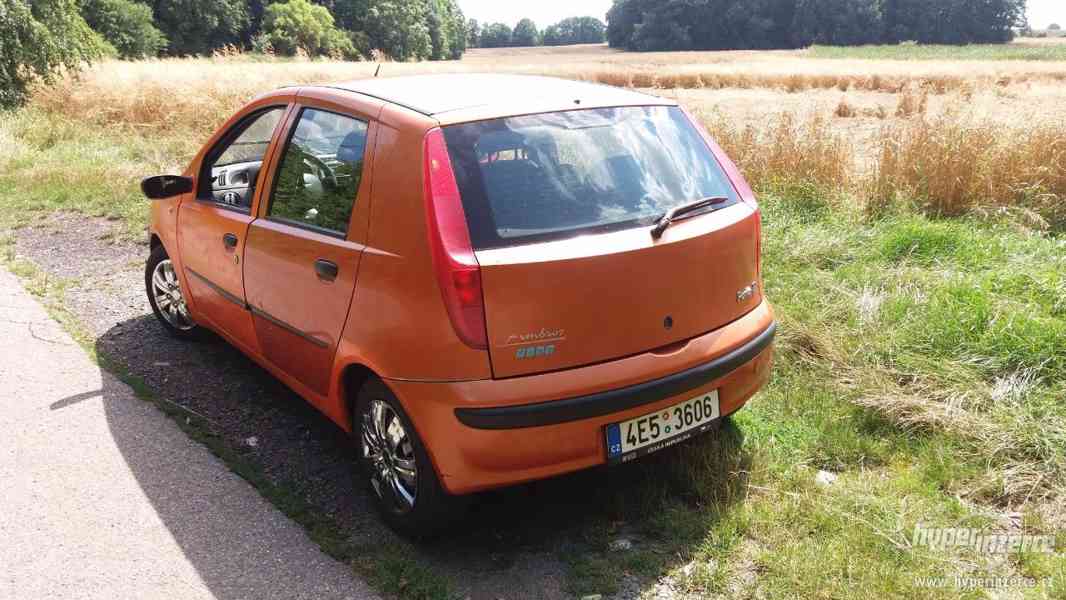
point(500, 140)
point(352, 148)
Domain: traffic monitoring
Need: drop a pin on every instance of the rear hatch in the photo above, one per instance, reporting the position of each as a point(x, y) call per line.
point(561, 208)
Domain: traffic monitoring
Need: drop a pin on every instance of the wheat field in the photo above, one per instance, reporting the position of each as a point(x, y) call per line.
point(143, 93)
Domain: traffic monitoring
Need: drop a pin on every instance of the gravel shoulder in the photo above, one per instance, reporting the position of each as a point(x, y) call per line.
point(514, 543)
point(107, 498)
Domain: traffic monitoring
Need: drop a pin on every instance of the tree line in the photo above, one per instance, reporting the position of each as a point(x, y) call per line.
point(401, 29)
point(574, 30)
point(646, 25)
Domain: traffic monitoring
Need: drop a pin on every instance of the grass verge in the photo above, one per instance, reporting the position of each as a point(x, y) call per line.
point(920, 369)
point(389, 567)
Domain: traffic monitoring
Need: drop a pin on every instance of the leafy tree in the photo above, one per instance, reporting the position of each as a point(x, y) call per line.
point(743, 24)
point(299, 25)
point(39, 39)
point(496, 35)
point(456, 29)
point(403, 29)
point(399, 28)
point(438, 37)
point(349, 14)
point(1054, 27)
point(200, 26)
point(447, 29)
point(582, 30)
point(905, 20)
point(473, 34)
point(837, 22)
point(623, 18)
point(575, 30)
point(126, 25)
point(525, 34)
point(254, 25)
point(662, 30)
point(553, 36)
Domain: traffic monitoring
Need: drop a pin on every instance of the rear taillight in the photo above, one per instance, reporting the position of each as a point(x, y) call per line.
point(458, 272)
point(739, 183)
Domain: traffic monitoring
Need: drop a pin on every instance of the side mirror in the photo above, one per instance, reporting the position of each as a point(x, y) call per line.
point(166, 186)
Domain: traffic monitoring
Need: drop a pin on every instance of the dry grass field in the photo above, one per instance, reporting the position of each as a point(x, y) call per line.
point(914, 204)
point(867, 106)
point(140, 92)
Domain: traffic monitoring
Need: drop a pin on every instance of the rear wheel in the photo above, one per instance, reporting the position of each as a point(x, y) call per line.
point(402, 479)
point(166, 296)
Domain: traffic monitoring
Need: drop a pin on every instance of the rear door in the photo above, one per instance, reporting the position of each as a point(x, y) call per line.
point(213, 224)
point(560, 208)
point(302, 255)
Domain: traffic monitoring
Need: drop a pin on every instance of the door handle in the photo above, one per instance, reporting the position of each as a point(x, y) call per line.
point(327, 270)
point(229, 240)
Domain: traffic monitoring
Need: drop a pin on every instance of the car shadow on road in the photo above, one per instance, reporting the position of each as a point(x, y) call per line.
point(517, 543)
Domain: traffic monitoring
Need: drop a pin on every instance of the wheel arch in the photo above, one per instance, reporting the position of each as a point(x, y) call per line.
point(353, 377)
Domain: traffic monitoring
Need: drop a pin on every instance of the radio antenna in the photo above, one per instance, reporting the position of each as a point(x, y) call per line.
point(377, 70)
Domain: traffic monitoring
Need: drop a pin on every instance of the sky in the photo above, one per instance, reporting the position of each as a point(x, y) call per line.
point(545, 12)
point(1045, 12)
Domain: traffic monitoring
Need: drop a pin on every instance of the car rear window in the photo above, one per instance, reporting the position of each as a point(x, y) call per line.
point(556, 175)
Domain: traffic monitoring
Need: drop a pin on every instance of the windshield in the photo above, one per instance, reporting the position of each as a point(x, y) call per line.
point(556, 175)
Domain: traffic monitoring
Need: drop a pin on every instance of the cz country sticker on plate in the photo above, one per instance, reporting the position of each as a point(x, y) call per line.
point(668, 426)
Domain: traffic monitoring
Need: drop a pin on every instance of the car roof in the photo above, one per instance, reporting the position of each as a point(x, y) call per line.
point(472, 96)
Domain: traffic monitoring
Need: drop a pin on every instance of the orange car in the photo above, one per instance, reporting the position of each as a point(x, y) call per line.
point(488, 279)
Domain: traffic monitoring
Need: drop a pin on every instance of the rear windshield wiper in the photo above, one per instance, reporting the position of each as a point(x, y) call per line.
point(679, 211)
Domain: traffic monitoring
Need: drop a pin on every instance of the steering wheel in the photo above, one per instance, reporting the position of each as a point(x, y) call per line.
point(325, 173)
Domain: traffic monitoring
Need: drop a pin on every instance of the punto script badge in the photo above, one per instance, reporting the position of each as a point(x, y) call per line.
point(747, 292)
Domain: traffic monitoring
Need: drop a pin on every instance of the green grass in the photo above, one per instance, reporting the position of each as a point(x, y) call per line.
point(49, 164)
point(910, 51)
point(920, 360)
point(887, 326)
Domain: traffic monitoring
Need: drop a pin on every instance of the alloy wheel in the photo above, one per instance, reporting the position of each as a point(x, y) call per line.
point(166, 290)
point(388, 450)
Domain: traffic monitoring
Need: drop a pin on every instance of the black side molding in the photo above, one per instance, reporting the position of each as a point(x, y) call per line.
point(604, 403)
point(218, 289)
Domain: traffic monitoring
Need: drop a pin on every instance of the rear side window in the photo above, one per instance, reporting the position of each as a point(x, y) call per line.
point(556, 175)
point(319, 174)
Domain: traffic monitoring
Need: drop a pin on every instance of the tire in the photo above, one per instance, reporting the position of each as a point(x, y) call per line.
point(166, 291)
point(418, 506)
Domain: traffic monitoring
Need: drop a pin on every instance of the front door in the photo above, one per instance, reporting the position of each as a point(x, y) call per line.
point(213, 224)
point(302, 255)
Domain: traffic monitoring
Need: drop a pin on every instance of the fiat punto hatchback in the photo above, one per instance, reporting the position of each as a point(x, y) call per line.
point(486, 279)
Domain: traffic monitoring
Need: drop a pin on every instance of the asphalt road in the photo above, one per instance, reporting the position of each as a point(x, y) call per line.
point(83, 516)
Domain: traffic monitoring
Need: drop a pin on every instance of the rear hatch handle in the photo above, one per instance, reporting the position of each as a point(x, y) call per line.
point(680, 211)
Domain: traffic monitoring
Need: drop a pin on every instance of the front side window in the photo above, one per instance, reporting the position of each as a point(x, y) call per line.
point(557, 175)
point(319, 174)
point(232, 168)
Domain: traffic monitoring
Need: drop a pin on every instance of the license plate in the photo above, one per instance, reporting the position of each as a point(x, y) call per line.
point(654, 431)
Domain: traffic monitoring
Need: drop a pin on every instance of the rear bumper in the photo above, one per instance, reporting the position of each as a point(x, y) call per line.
point(555, 412)
point(492, 433)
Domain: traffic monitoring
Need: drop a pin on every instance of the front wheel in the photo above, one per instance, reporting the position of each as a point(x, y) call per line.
point(166, 296)
point(402, 478)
